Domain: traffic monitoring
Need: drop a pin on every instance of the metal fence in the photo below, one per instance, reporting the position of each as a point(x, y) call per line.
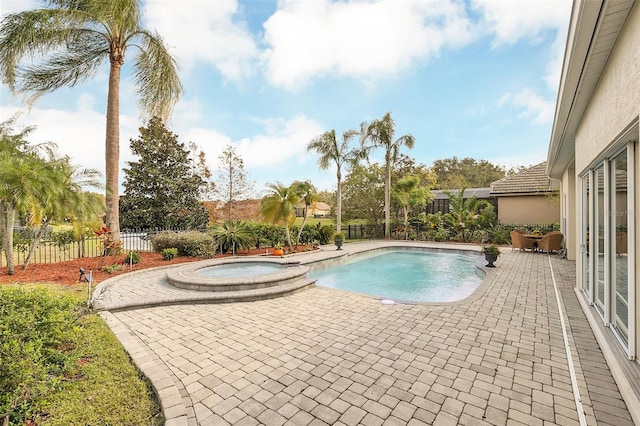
point(51, 251)
point(416, 230)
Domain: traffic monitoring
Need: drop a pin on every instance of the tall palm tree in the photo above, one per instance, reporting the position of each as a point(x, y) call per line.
point(380, 134)
point(308, 195)
point(339, 153)
point(279, 206)
point(45, 49)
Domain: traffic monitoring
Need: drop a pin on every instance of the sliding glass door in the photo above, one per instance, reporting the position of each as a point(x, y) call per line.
point(608, 243)
point(620, 260)
point(599, 241)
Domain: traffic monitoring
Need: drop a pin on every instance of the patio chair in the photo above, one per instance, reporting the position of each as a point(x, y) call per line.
point(551, 242)
point(518, 240)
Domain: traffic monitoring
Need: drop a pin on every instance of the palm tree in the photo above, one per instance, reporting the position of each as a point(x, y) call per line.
point(65, 45)
point(380, 134)
point(28, 183)
point(333, 152)
point(236, 233)
point(309, 195)
point(464, 214)
point(279, 206)
point(70, 199)
point(408, 194)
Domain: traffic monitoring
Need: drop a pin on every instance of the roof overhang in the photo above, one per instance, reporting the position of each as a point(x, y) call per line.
point(593, 30)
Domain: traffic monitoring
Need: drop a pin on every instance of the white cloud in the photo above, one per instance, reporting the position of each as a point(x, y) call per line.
point(513, 20)
point(14, 6)
point(79, 133)
point(359, 39)
point(204, 31)
point(534, 107)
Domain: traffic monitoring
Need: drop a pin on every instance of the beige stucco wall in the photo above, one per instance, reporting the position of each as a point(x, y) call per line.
point(529, 209)
point(615, 103)
point(568, 219)
point(613, 109)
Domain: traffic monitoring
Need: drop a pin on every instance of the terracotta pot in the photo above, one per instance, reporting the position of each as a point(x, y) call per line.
point(278, 252)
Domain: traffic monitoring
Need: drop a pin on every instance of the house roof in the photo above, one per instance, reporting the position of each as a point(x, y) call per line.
point(317, 205)
point(529, 181)
point(593, 30)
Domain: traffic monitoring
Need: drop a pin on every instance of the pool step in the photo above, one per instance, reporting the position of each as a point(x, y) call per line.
point(214, 297)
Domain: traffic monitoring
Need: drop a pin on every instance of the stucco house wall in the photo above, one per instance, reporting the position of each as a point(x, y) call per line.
point(597, 117)
point(615, 104)
point(528, 210)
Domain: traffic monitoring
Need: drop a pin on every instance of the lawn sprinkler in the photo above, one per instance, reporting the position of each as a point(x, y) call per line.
point(83, 276)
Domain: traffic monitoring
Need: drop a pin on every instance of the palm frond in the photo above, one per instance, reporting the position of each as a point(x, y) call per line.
point(156, 76)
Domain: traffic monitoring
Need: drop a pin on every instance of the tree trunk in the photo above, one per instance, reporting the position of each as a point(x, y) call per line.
point(286, 230)
point(339, 203)
point(387, 196)
point(7, 220)
point(36, 242)
point(304, 221)
point(405, 211)
point(112, 153)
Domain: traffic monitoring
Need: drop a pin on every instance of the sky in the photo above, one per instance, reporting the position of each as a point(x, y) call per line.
point(468, 78)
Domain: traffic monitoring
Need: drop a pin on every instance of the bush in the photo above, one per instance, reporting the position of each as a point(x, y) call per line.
point(193, 243)
point(169, 253)
point(111, 268)
point(132, 257)
point(35, 343)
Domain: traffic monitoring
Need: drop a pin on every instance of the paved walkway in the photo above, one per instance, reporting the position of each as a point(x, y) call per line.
point(325, 356)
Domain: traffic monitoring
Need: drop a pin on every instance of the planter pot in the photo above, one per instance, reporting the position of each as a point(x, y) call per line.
point(338, 243)
point(490, 258)
point(278, 252)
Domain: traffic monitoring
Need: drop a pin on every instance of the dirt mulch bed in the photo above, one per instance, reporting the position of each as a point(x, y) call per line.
point(69, 272)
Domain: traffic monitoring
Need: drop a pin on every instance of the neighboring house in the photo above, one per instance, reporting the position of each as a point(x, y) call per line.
point(317, 209)
point(440, 200)
point(527, 198)
point(594, 154)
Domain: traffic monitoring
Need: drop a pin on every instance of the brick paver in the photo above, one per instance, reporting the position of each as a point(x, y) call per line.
point(326, 356)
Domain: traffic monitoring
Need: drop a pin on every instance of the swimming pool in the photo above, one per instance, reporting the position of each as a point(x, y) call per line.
point(411, 276)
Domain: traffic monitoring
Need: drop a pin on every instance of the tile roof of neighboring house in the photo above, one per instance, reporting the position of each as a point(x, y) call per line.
point(317, 205)
point(529, 181)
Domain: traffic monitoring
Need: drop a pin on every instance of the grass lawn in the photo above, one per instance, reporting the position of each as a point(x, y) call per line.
point(62, 365)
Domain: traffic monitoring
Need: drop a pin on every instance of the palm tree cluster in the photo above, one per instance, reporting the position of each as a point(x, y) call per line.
point(378, 133)
point(38, 186)
point(65, 44)
point(279, 205)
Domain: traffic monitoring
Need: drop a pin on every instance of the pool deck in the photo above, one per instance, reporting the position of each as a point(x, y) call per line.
point(324, 356)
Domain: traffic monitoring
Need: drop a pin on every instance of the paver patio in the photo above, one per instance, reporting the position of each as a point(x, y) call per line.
point(326, 356)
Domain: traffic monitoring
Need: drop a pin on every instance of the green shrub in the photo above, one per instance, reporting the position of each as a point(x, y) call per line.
point(112, 268)
point(133, 257)
point(192, 243)
point(35, 347)
point(169, 253)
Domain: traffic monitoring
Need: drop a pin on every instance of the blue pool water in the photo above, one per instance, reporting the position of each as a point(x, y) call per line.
point(239, 270)
point(406, 276)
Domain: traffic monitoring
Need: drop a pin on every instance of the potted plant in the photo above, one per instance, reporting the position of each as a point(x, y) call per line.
point(277, 250)
point(338, 239)
point(491, 254)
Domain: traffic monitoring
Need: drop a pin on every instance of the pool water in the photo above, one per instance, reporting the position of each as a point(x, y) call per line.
point(406, 276)
point(239, 270)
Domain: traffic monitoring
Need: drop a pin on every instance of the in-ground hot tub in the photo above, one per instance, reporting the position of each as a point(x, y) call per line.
point(233, 274)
